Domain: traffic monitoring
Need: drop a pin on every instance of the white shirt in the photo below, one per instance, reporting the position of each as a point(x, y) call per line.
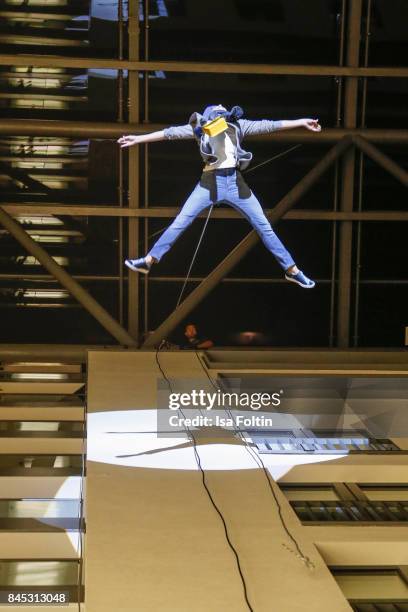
point(224, 149)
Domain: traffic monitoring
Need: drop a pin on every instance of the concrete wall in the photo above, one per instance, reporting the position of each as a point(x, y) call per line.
point(154, 542)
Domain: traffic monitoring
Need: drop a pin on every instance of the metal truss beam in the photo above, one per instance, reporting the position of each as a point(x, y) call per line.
point(22, 176)
point(376, 361)
point(94, 129)
point(347, 177)
point(203, 67)
point(382, 160)
point(74, 288)
point(133, 161)
point(168, 212)
point(91, 278)
point(246, 244)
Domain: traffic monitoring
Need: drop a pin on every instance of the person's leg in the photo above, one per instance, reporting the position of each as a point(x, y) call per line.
point(198, 200)
point(251, 209)
point(194, 205)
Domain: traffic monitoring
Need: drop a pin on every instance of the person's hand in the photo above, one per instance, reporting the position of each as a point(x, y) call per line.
point(312, 125)
point(129, 140)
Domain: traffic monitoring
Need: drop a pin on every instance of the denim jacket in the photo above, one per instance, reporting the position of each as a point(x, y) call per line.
point(236, 131)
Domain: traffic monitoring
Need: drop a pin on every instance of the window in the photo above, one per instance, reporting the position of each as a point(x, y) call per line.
point(310, 492)
point(41, 429)
point(39, 508)
point(385, 492)
point(348, 502)
point(40, 515)
point(40, 465)
point(28, 575)
point(269, 10)
point(374, 589)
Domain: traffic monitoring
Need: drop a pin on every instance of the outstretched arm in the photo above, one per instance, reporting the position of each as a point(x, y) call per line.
point(133, 139)
point(310, 124)
point(266, 126)
point(206, 344)
point(177, 132)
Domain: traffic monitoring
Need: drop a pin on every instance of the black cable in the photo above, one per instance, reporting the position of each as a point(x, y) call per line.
point(256, 457)
point(158, 349)
point(260, 464)
point(209, 494)
point(195, 254)
point(216, 508)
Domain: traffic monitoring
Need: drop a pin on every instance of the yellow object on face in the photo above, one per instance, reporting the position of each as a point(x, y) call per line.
point(215, 127)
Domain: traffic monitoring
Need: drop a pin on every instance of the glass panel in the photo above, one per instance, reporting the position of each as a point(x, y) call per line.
point(47, 573)
point(382, 112)
point(319, 511)
point(396, 510)
point(387, 585)
point(14, 427)
point(30, 426)
point(388, 34)
point(310, 493)
point(39, 508)
point(386, 493)
point(261, 31)
point(33, 461)
point(377, 327)
point(69, 93)
point(302, 510)
point(61, 27)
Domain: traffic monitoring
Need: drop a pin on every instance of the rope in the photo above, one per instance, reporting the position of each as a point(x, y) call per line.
point(272, 158)
point(195, 255)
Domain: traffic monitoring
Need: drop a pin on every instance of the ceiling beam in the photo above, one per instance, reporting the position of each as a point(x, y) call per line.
point(202, 67)
point(168, 212)
point(347, 177)
point(94, 129)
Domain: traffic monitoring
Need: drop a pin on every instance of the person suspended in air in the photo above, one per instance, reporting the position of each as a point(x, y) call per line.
point(219, 134)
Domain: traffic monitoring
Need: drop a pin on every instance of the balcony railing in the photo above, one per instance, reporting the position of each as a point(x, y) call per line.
point(379, 606)
point(325, 445)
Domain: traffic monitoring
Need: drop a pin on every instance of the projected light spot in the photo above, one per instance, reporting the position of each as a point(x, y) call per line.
point(128, 438)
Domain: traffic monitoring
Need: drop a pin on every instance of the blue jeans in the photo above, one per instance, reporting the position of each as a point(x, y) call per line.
point(229, 187)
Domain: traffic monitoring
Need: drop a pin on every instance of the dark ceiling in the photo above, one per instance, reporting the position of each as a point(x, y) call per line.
point(59, 170)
